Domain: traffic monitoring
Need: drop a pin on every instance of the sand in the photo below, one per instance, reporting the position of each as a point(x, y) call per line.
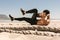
point(13, 36)
point(34, 35)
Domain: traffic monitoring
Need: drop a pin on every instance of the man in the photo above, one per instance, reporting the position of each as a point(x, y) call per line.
point(32, 20)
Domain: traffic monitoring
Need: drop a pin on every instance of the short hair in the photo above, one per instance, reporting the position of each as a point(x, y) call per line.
point(46, 11)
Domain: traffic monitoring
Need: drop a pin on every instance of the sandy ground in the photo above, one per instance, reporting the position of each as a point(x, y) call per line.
point(15, 36)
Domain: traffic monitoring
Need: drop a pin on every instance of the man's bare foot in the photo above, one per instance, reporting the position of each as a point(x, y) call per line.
point(23, 12)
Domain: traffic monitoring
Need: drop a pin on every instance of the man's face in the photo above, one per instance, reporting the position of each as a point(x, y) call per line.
point(44, 14)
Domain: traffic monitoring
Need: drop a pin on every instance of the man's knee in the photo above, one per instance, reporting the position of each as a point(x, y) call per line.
point(32, 11)
point(35, 10)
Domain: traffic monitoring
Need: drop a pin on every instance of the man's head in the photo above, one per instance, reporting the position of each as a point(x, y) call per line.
point(46, 12)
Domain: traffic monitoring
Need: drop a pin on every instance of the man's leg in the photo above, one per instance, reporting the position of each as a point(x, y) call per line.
point(35, 14)
point(32, 11)
point(21, 19)
point(35, 11)
point(29, 20)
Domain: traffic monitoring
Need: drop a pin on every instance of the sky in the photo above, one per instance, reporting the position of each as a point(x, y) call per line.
point(13, 7)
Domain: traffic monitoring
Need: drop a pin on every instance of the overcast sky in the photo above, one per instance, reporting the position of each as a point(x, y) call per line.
point(13, 7)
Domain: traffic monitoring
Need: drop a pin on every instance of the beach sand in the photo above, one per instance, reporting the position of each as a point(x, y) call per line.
point(15, 36)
